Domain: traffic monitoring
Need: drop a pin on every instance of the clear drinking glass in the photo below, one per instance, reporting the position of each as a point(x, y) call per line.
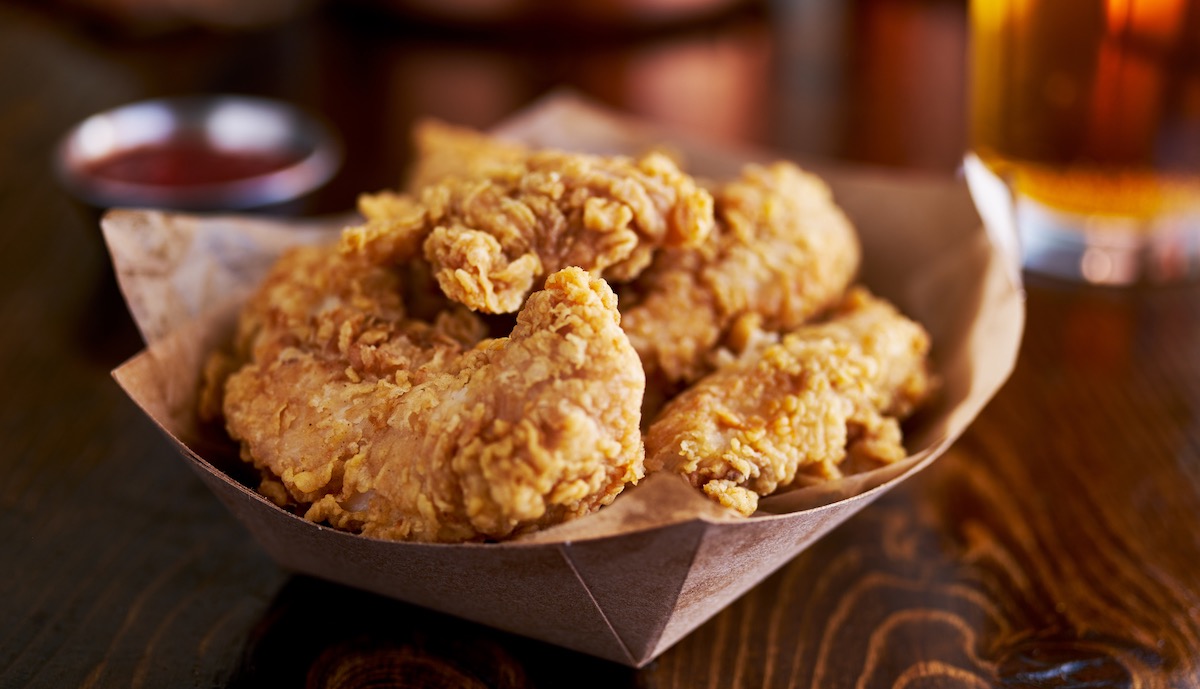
point(1085, 134)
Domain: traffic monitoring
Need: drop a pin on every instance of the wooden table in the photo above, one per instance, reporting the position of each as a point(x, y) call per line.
point(1056, 544)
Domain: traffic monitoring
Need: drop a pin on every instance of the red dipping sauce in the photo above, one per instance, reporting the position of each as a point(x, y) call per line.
point(197, 153)
point(184, 162)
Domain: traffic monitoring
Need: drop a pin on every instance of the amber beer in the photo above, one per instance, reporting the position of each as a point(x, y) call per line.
point(1089, 110)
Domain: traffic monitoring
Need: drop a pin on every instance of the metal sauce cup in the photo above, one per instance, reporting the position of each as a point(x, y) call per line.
point(198, 153)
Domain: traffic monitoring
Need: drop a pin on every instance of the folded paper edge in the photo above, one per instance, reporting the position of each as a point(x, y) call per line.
point(561, 548)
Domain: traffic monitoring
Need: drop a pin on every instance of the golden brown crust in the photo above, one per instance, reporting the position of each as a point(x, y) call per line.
point(799, 406)
point(368, 394)
point(781, 253)
point(403, 431)
point(444, 150)
point(492, 230)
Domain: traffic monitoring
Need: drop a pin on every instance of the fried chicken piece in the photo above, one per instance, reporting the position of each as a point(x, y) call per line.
point(400, 429)
point(315, 299)
point(492, 227)
point(444, 150)
point(792, 411)
point(781, 252)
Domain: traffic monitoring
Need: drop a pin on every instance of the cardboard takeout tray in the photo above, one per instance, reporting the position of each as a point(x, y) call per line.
point(629, 581)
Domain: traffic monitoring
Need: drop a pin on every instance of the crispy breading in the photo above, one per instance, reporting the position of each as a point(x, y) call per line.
point(797, 407)
point(366, 391)
point(444, 150)
point(491, 230)
point(401, 429)
point(781, 253)
point(317, 299)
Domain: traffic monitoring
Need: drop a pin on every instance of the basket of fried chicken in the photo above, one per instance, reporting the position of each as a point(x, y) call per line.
point(577, 378)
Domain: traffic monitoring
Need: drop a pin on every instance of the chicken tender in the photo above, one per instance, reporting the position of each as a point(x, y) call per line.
point(444, 150)
point(802, 406)
point(365, 388)
point(781, 252)
point(491, 226)
point(318, 299)
point(401, 429)
point(341, 308)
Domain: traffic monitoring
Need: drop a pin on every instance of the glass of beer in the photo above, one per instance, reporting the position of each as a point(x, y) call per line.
point(1085, 134)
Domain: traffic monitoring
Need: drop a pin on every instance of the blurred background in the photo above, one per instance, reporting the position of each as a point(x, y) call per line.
point(874, 82)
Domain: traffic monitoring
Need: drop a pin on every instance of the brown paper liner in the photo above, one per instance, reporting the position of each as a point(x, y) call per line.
point(629, 581)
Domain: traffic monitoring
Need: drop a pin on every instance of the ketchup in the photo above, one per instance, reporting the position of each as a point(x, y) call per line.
point(184, 162)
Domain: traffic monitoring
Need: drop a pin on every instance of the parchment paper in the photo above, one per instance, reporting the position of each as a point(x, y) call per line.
point(630, 580)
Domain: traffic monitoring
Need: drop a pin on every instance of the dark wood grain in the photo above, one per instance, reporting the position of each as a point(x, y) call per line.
point(1057, 544)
